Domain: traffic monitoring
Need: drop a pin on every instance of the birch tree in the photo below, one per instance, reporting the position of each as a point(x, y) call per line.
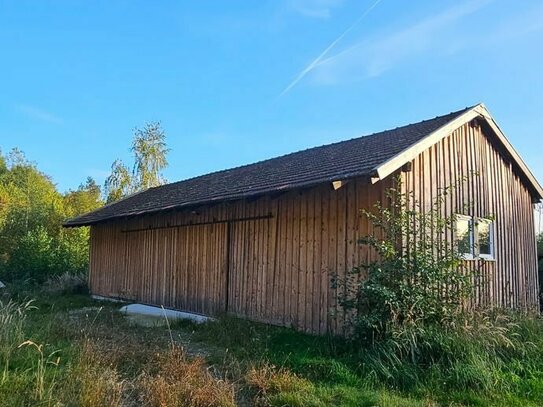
point(150, 159)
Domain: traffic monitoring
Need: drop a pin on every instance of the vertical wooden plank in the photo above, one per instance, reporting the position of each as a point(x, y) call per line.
point(310, 243)
point(324, 245)
point(302, 286)
point(332, 263)
point(341, 252)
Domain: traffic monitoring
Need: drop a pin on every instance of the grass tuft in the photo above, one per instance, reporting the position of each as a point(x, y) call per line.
point(96, 380)
point(280, 387)
point(175, 380)
point(12, 320)
point(66, 283)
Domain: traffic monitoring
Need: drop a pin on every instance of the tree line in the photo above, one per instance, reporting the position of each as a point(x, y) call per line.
point(33, 243)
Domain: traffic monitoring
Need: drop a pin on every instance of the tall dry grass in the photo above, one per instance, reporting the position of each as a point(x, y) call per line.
point(273, 386)
point(95, 380)
point(175, 380)
point(12, 319)
point(44, 372)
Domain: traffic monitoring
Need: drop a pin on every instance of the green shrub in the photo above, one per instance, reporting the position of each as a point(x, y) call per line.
point(33, 257)
point(418, 276)
point(33, 244)
point(39, 255)
point(415, 326)
point(71, 252)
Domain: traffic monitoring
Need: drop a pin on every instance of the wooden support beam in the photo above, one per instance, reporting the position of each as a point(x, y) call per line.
point(338, 184)
point(212, 222)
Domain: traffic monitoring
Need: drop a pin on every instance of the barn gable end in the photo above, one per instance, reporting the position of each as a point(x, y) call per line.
point(490, 185)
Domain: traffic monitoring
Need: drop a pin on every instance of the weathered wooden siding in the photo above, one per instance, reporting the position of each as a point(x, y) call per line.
point(275, 268)
point(492, 189)
point(156, 266)
point(281, 268)
point(272, 259)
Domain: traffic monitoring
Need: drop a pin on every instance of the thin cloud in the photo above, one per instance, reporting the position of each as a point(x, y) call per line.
point(323, 54)
point(321, 9)
point(38, 114)
point(373, 57)
point(526, 23)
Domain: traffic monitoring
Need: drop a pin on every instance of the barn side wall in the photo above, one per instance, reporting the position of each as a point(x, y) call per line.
point(272, 259)
point(492, 188)
point(275, 266)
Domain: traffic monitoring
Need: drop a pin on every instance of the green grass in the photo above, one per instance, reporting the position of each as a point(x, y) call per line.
point(492, 363)
point(93, 356)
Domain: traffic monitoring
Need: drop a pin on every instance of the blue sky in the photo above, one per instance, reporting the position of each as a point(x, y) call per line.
point(222, 77)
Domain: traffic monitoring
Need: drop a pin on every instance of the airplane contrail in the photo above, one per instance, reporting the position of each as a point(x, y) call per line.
point(316, 61)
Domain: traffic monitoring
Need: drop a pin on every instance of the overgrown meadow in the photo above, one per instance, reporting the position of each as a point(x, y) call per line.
point(64, 349)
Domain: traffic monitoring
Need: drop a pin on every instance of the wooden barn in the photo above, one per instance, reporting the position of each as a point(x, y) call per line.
point(262, 241)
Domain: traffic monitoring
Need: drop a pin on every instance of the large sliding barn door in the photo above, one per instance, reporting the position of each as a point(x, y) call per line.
point(251, 278)
point(182, 267)
point(201, 267)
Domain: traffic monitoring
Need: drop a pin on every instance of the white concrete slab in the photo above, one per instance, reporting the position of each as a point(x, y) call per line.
point(161, 313)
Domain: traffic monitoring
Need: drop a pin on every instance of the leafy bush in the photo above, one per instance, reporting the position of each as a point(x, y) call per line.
point(418, 277)
point(414, 323)
point(71, 252)
point(39, 255)
point(33, 244)
point(33, 257)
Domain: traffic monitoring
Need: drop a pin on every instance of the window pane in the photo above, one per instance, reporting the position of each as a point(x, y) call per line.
point(485, 239)
point(463, 235)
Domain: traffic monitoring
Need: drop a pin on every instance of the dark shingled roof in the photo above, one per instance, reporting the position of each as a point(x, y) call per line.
point(342, 160)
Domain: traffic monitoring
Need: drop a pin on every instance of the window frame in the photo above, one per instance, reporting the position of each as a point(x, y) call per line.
point(491, 242)
point(471, 233)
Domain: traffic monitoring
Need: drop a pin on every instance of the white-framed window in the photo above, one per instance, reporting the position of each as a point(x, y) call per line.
point(475, 237)
point(485, 238)
point(464, 234)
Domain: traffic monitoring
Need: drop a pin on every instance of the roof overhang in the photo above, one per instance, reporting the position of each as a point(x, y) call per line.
point(479, 111)
point(335, 183)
